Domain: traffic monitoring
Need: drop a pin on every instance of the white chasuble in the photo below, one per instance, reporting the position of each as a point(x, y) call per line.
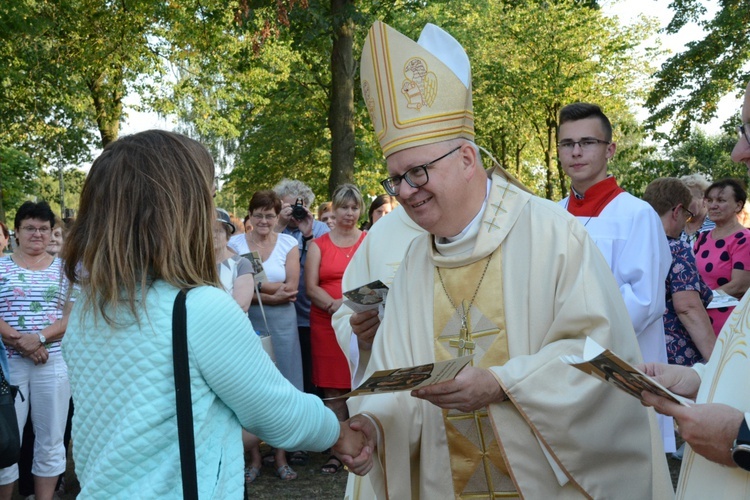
point(724, 380)
point(468, 321)
point(561, 433)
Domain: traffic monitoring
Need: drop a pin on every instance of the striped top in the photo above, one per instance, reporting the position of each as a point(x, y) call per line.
point(32, 300)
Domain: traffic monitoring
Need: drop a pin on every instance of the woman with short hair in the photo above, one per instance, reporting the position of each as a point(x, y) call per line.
point(723, 254)
point(33, 319)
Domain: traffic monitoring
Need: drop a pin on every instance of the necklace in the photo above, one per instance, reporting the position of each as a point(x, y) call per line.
point(252, 240)
point(464, 342)
point(26, 264)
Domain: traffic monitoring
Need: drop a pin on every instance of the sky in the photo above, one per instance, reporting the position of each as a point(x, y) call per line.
point(626, 10)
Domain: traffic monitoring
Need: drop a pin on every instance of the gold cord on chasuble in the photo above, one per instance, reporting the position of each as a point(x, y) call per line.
point(469, 318)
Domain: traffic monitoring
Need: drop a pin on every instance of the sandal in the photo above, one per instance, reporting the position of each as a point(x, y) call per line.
point(298, 458)
point(329, 467)
point(251, 474)
point(286, 473)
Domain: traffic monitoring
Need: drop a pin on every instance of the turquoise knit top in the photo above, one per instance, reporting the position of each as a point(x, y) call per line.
point(125, 425)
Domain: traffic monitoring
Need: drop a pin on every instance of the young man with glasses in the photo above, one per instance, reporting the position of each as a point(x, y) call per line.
point(506, 277)
point(626, 229)
point(717, 461)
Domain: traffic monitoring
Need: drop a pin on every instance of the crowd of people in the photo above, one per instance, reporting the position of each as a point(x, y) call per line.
point(475, 264)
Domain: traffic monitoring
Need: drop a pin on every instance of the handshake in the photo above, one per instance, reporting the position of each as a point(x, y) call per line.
point(356, 444)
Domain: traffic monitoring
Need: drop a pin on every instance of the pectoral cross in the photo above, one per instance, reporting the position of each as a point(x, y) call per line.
point(464, 342)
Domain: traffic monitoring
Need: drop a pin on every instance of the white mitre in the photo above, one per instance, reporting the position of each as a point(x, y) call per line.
point(417, 93)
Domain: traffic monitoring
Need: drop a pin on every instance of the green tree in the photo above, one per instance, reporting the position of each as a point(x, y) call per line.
point(532, 58)
point(18, 174)
point(690, 84)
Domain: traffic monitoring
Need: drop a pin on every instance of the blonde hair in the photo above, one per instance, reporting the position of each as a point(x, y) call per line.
point(146, 214)
point(696, 180)
point(347, 192)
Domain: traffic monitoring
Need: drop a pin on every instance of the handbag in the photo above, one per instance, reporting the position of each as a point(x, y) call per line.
point(183, 396)
point(265, 340)
point(10, 439)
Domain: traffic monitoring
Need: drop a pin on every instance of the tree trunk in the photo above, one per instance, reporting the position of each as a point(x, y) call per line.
point(107, 91)
point(341, 113)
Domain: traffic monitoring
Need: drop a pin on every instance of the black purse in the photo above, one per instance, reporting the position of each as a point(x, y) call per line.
point(184, 400)
point(10, 439)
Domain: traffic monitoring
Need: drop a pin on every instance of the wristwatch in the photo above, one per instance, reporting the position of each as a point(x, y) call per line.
point(741, 447)
point(42, 338)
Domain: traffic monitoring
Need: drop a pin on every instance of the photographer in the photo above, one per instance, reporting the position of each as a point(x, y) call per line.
point(295, 219)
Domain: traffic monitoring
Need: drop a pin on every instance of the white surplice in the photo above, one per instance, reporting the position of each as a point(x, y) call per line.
point(631, 237)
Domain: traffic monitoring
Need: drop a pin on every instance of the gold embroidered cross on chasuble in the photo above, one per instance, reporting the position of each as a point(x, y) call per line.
point(465, 326)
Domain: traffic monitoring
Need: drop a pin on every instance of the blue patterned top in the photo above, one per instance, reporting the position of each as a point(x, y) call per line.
point(683, 276)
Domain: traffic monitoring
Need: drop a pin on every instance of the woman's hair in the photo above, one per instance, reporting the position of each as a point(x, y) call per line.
point(266, 199)
point(378, 202)
point(59, 223)
point(33, 210)
point(146, 213)
point(740, 194)
point(4, 229)
point(323, 208)
point(666, 193)
point(295, 188)
point(696, 181)
point(345, 193)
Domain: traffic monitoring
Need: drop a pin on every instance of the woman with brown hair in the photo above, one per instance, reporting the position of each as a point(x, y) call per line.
point(275, 314)
point(723, 254)
point(143, 233)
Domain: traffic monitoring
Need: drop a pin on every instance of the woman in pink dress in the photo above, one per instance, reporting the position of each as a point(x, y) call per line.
point(327, 258)
point(723, 254)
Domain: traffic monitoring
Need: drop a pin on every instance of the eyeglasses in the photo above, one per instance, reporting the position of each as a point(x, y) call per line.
point(32, 229)
point(264, 216)
point(415, 177)
point(744, 130)
point(585, 144)
point(690, 216)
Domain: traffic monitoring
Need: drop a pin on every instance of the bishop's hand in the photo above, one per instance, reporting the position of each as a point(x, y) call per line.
point(472, 389)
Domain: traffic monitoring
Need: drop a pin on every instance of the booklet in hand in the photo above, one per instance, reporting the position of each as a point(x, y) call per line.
point(606, 365)
point(366, 297)
point(413, 377)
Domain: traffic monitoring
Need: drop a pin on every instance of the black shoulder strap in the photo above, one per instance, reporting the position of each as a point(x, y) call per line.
point(184, 400)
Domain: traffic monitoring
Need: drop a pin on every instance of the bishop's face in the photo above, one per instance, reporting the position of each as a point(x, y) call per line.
point(741, 151)
point(439, 205)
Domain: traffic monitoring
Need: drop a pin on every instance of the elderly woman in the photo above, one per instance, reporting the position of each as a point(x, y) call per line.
point(687, 328)
point(700, 223)
point(723, 254)
point(327, 259)
point(119, 344)
point(56, 238)
point(33, 320)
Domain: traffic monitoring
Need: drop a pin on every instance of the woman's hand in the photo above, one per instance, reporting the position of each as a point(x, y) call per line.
point(27, 344)
point(41, 355)
point(334, 306)
point(356, 444)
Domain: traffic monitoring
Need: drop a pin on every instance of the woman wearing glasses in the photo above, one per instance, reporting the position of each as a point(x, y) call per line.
point(33, 320)
point(278, 290)
point(723, 254)
point(687, 328)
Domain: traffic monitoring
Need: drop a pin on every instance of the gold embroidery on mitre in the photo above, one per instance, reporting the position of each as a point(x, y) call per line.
point(477, 466)
point(409, 107)
point(420, 86)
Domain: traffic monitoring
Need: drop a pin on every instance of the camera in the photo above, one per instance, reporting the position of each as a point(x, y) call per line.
point(298, 210)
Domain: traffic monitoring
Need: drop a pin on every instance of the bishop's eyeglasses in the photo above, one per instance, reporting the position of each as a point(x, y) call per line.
point(415, 177)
